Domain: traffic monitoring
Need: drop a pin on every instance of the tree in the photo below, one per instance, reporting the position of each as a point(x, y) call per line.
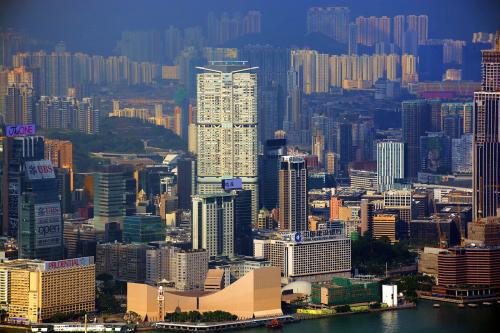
point(132, 317)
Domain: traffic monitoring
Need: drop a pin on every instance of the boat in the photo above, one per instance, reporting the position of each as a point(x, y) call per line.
point(472, 305)
point(487, 303)
point(274, 324)
point(436, 305)
point(461, 306)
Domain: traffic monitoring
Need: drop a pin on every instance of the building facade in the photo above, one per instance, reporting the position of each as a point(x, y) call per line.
point(38, 290)
point(486, 137)
point(227, 127)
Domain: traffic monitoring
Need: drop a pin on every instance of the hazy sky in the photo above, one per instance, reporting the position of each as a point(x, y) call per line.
point(95, 25)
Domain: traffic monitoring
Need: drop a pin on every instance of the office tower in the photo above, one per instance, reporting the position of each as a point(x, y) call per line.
point(435, 153)
point(64, 188)
point(486, 137)
point(16, 150)
point(430, 63)
point(330, 21)
point(114, 195)
point(416, 120)
point(243, 240)
point(386, 225)
point(273, 64)
point(399, 28)
point(293, 102)
point(293, 194)
point(344, 145)
point(461, 154)
point(274, 149)
point(143, 228)
point(227, 131)
point(409, 73)
point(19, 103)
point(423, 29)
point(270, 112)
point(213, 224)
point(453, 126)
point(390, 164)
point(186, 181)
point(40, 228)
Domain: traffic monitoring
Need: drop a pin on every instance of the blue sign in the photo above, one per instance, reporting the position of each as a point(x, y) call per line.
point(232, 184)
point(298, 237)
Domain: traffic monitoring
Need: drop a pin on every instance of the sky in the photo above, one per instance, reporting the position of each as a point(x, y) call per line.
point(95, 25)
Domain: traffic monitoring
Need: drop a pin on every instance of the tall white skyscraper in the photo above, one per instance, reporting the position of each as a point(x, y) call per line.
point(390, 163)
point(227, 142)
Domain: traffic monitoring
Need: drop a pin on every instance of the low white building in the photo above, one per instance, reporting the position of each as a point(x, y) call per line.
point(390, 294)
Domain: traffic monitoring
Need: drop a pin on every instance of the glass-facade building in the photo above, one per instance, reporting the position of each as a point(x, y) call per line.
point(142, 228)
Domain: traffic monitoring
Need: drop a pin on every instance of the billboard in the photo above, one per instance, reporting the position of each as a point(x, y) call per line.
point(41, 169)
point(20, 130)
point(232, 184)
point(48, 225)
point(68, 263)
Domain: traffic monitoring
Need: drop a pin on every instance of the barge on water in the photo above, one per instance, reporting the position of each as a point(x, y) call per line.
point(79, 327)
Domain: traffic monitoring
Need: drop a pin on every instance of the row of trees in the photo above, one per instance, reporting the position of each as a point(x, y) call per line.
point(195, 316)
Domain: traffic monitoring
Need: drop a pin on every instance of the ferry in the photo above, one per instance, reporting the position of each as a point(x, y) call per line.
point(79, 327)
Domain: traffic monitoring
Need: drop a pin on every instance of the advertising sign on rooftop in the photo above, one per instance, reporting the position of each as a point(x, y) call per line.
point(41, 169)
point(20, 130)
point(68, 263)
point(48, 225)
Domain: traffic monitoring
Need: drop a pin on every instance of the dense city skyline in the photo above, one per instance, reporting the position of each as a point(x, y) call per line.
point(236, 164)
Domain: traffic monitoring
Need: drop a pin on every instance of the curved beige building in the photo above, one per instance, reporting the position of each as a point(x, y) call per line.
point(257, 294)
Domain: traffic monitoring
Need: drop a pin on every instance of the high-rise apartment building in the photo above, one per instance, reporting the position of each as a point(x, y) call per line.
point(486, 136)
point(227, 128)
point(20, 102)
point(373, 30)
point(213, 223)
point(416, 120)
point(330, 21)
point(293, 194)
point(390, 163)
point(398, 30)
point(313, 70)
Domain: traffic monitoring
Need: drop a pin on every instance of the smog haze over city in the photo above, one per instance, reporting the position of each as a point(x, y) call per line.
point(249, 166)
